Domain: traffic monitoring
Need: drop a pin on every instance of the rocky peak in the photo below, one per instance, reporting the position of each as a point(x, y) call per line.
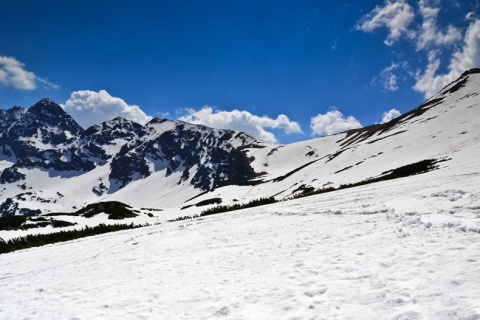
point(116, 128)
point(157, 120)
point(46, 107)
point(48, 113)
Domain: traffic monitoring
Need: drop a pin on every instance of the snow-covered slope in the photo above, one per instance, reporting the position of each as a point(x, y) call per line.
point(445, 128)
point(50, 164)
point(400, 249)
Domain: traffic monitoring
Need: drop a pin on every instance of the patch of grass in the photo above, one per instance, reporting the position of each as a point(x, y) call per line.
point(314, 192)
point(37, 240)
point(115, 210)
point(41, 224)
point(61, 223)
point(225, 208)
point(11, 222)
point(25, 223)
point(184, 218)
point(208, 202)
point(56, 214)
point(238, 206)
point(400, 172)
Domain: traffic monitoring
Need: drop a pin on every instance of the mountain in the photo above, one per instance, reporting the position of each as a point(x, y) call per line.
point(48, 163)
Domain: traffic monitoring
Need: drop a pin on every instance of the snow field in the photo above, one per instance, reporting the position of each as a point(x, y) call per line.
point(402, 249)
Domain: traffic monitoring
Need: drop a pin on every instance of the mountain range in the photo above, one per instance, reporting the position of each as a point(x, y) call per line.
point(49, 163)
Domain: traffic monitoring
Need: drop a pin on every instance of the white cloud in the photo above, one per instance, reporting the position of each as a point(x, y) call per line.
point(90, 107)
point(429, 33)
point(389, 115)
point(13, 73)
point(472, 14)
point(466, 57)
point(396, 16)
point(388, 78)
point(332, 122)
point(242, 120)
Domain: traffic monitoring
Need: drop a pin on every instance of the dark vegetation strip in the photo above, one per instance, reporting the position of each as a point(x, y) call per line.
point(24, 223)
point(293, 171)
point(238, 206)
point(404, 171)
point(30, 241)
point(400, 172)
point(225, 208)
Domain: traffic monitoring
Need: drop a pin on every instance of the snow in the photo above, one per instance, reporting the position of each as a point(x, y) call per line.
point(114, 146)
point(401, 249)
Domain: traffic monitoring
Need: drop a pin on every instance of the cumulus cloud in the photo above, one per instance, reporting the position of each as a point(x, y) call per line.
point(390, 115)
point(429, 33)
point(13, 74)
point(242, 120)
point(466, 57)
point(90, 107)
point(396, 16)
point(332, 122)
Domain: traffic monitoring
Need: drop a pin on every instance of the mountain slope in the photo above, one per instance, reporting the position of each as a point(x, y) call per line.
point(49, 163)
point(445, 128)
point(402, 249)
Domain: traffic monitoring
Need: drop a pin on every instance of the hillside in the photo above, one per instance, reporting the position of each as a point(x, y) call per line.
point(399, 249)
point(405, 248)
point(48, 163)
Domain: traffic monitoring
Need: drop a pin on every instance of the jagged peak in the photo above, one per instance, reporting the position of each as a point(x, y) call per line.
point(47, 112)
point(120, 119)
point(17, 108)
point(46, 101)
point(114, 124)
point(14, 110)
point(47, 104)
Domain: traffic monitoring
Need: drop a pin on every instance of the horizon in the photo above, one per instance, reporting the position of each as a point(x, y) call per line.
point(280, 71)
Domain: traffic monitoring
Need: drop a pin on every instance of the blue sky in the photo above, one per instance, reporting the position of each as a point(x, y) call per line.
point(283, 71)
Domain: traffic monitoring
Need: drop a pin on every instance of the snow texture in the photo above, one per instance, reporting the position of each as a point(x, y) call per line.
point(402, 249)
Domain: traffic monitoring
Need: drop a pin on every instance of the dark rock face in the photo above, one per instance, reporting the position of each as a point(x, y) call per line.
point(42, 136)
point(99, 136)
point(182, 148)
point(10, 175)
point(10, 116)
